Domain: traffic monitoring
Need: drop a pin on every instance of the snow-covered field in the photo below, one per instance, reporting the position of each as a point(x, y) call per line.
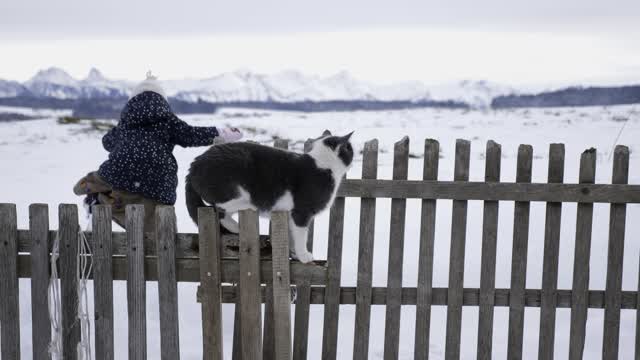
point(41, 160)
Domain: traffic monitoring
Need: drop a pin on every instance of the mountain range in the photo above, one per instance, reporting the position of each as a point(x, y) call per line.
point(97, 96)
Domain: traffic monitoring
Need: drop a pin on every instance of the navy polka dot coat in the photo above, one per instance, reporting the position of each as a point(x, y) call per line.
point(141, 146)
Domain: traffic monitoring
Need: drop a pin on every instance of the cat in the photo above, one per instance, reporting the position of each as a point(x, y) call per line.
point(244, 175)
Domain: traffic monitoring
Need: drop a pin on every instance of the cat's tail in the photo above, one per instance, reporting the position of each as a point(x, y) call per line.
point(194, 201)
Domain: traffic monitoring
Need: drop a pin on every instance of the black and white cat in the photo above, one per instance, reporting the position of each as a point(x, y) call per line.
point(239, 176)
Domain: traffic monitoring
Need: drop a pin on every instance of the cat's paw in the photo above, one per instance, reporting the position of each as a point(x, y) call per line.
point(305, 257)
point(230, 224)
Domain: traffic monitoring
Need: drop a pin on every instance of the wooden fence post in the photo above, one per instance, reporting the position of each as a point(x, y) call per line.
point(396, 253)
point(281, 286)
point(68, 236)
point(519, 257)
point(365, 256)
point(40, 325)
point(102, 282)
point(488, 257)
point(9, 301)
point(613, 289)
point(580, 285)
point(167, 287)
point(456, 256)
point(550, 262)
point(303, 300)
point(250, 314)
point(210, 281)
point(136, 286)
point(332, 289)
point(424, 290)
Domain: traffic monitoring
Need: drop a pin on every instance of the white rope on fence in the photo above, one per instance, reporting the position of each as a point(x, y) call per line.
point(82, 276)
point(55, 306)
point(83, 271)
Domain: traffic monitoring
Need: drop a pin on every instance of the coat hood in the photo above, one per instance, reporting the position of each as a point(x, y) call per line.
point(144, 109)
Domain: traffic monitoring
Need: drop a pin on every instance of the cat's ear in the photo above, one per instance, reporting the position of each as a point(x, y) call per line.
point(326, 133)
point(346, 138)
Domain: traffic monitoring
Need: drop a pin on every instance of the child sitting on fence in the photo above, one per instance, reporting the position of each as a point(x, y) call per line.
point(141, 168)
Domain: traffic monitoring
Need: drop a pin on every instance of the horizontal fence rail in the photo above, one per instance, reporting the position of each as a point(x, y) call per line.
point(250, 269)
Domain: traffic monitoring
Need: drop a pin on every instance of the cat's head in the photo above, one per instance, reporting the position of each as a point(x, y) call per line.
point(339, 146)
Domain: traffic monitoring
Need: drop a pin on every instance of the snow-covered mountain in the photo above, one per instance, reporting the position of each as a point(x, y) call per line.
point(57, 83)
point(246, 86)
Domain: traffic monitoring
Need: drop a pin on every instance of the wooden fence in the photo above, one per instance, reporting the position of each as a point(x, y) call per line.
point(248, 275)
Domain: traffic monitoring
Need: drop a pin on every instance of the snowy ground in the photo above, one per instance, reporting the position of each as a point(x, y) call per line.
point(41, 160)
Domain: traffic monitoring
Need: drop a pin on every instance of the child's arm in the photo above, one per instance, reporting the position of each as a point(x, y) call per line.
point(186, 135)
point(109, 139)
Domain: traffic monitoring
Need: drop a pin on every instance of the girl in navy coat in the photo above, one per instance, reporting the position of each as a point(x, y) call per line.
point(141, 168)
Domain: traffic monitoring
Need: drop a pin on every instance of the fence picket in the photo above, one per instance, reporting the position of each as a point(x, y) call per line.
point(396, 252)
point(332, 289)
point(40, 325)
point(550, 258)
point(613, 288)
point(424, 290)
point(268, 343)
point(167, 287)
point(580, 285)
point(456, 257)
point(365, 255)
point(488, 257)
point(519, 257)
point(102, 282)
point(9, 301)
point(250, 314)
point(210, 279)
point(136, 286)
point(68, 263)
point(281, 286)
point(303, 299)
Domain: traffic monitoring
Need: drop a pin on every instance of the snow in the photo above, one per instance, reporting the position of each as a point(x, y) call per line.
point(47, 159)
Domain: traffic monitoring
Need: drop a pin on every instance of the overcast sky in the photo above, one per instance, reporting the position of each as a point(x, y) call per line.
point(514, 42)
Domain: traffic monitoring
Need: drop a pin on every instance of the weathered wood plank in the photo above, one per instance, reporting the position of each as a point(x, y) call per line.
point(303, 288)
point(365, 256)
point(9, 300)
point(68, 263)
point(488, 257)
point(456, 257)
point(471, 297)
point(396, 253)
point(504, 191)
point(281, 286)
point(332, 290)
point(210, 282)
point(268, 343)
point(40, 325)
point(519, 258)
point(136, 286)
point(550, 258)
point(250, 313)
point(637, 350)
point(424, 288)
point(613, 287)
point(102, 282)
point(167, 286)
point(580, 285)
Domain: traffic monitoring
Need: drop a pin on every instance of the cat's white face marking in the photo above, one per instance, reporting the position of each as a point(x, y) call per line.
point(328, 159)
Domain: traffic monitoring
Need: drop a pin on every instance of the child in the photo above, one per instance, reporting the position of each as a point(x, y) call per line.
point(141, 168)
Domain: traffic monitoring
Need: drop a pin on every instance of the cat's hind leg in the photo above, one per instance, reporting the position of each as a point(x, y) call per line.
point(299, 231)
point(229, 223)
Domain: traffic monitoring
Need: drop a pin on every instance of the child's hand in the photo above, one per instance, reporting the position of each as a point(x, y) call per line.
point(230, 134)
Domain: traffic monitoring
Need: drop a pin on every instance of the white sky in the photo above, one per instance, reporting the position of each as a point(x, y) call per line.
point(512, 42)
